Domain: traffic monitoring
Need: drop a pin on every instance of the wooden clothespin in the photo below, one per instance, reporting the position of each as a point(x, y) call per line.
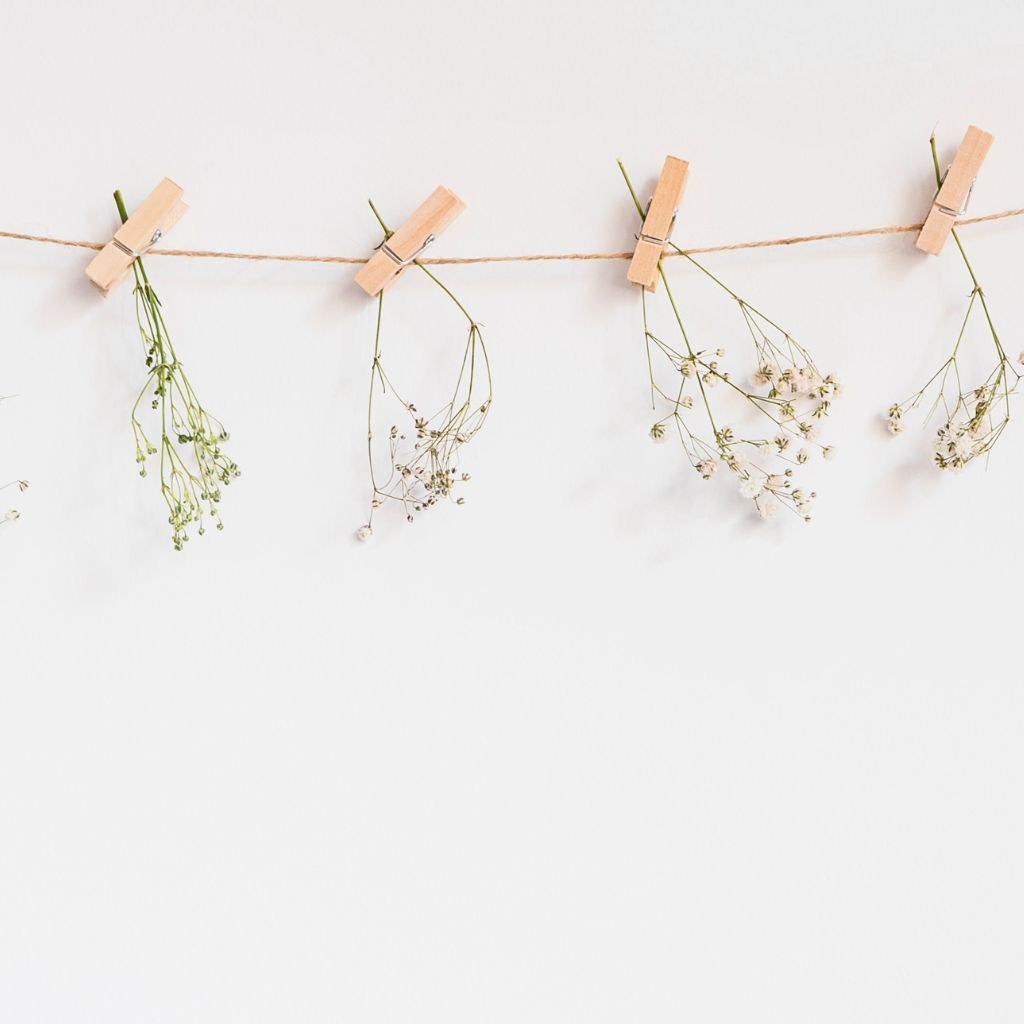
point(155, 216)
point(658, 223)
point(408, 242)
point(951, 199)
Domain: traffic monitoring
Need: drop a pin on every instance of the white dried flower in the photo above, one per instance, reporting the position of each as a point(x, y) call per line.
point(364, 532)
point(657, 433)
point(11, 515)
point(829, 451)
point(686, 401)
point(767, 506)
point(962, 446)
point(803, 381)
point(749, 487)
point(741, 465)
point(707, 468)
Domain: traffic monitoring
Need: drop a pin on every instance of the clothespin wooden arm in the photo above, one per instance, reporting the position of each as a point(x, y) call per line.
point(951, 198)
point(153, 218)
point(658, 223)
point(405, 245)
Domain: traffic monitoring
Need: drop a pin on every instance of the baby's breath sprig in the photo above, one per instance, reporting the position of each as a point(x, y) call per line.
point(785, 389)
point(12, 513)
point(974, 417)
point(193, 467)
point(423, 455)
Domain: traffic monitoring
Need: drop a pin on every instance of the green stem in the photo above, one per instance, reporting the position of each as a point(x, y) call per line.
point(967, 263)
point(388, 233)
point(675, 308)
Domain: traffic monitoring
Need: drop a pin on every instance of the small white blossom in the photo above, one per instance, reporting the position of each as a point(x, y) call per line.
point(767, 506)
point(742, 466)
point(803, 381)
point(829, 451)
point(749, 487)
point(707, 468)
point(658, 434)
point(11, 515)
point(364, 532)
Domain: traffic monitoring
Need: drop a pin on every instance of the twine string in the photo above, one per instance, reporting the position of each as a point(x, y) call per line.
point(892, 229)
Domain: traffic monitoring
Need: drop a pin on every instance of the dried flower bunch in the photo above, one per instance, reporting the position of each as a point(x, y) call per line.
point(193, 466)
point(423, 451)
point(12, 513)
point(785, 392)
point(974, 417)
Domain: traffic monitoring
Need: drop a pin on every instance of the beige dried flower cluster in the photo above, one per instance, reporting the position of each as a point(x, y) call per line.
point(974, 418)
point(786, 392)
point(423, 456)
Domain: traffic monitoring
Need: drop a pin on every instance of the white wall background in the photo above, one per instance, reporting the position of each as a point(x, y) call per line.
point(597, 746)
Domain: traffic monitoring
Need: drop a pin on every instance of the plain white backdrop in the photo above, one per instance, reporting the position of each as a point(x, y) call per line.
point(597, 746)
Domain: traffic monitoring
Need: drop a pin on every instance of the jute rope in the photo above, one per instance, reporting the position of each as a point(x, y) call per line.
point(893, 229)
